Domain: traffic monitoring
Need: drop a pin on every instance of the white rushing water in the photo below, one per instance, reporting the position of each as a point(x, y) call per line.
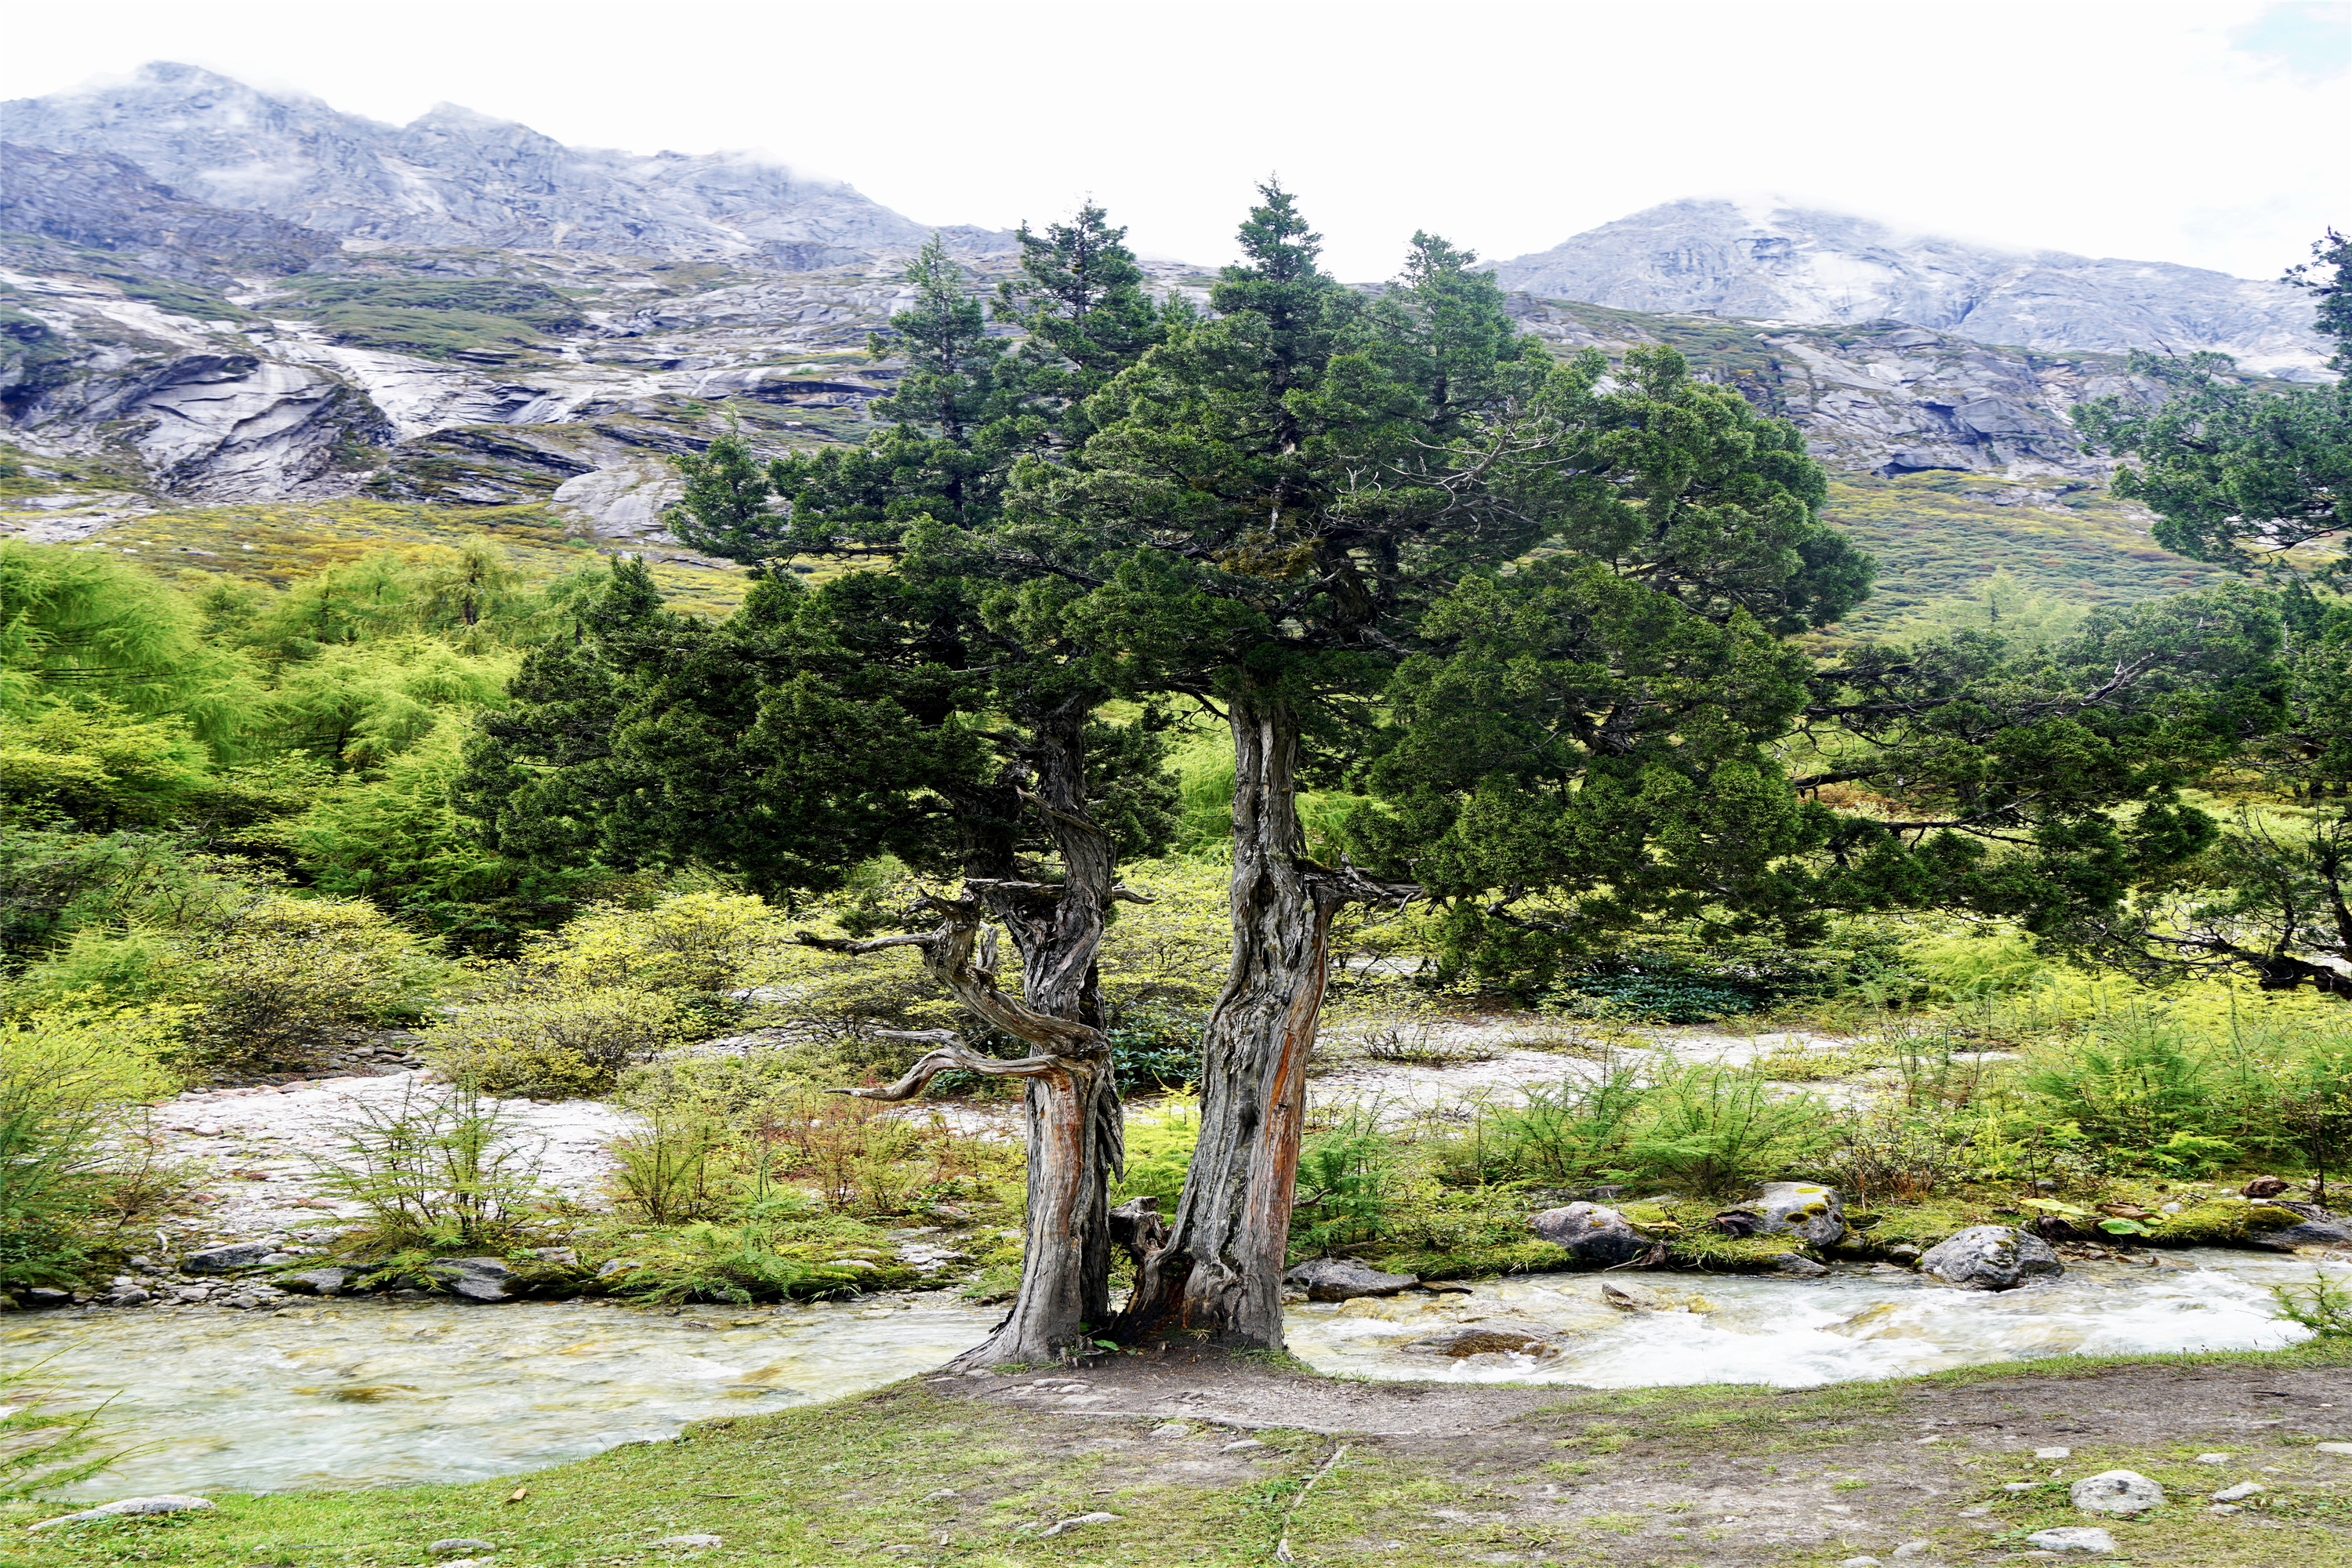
point(376, 1393)
point(354, 1393)
point(1797, 1334)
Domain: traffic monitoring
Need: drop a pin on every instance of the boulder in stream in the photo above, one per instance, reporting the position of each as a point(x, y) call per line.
point(227, 1258)
point(315, 1281)
point(1990, 1258)
point(475, 1278)
point(1809, 1210)
point(1484, 1336)
point(2313, 1226)
point(1592, 1234)
point(1344, 1279)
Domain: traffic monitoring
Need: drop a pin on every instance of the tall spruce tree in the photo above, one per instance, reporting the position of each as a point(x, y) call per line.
point(1263, 518)
point(932, 704)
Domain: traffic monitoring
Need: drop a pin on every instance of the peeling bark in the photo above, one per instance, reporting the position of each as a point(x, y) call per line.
point(1219, 1270)
point(1074, 1121)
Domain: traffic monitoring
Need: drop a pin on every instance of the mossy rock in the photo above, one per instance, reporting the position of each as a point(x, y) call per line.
point(1528, 1256)
point(1712, 1250)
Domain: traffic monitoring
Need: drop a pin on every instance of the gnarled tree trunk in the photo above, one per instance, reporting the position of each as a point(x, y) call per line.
point(1072, 1113)
point(1219, 1270)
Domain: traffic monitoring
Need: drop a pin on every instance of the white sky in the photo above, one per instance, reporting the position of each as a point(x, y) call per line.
point(2197, 134)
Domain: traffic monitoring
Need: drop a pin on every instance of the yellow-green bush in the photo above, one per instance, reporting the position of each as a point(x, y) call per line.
point(707, 942)
point(551, 1036)
point(64, 1084)
point(255, 982)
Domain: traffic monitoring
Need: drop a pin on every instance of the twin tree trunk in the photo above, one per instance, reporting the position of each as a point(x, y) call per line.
point(1215, 1268)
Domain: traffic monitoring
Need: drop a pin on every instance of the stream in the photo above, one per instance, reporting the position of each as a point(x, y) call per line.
point(363, 1393)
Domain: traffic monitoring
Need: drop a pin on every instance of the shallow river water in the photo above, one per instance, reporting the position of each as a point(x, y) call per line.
point(373, 1393)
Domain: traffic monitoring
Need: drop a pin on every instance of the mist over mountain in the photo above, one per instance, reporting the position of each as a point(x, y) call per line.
point(1793, 265)
point(454, 177)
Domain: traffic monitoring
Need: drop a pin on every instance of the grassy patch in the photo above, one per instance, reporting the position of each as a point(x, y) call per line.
point(277, 542)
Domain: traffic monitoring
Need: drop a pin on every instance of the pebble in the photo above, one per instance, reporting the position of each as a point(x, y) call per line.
point(1862, 1562)
point(1171, 1429)
point(2214, 1458)
point(2225, 1508)
point(1237, 1447)
point(2241, 1491)
point(696, 1541)
point(1910, 1549)
point(2053, 1453)
point(166, 1503)
point(2336, 1448)
point(2073, 1538)
point(2117, 1491)
point(2019, 1486)
point(1073, 1523)
point(943, 1491)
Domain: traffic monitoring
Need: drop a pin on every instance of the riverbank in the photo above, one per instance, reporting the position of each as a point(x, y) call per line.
point(1208, 1461)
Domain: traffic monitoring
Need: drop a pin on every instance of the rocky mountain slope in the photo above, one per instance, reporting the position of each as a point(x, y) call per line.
point(1793, 265)
point(210, 295)
point(454, 177)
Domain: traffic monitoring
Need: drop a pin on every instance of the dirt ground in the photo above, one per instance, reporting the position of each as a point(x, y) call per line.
point(1905, 1472)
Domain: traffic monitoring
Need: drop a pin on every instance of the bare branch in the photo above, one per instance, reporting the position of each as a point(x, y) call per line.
point(952, 1054)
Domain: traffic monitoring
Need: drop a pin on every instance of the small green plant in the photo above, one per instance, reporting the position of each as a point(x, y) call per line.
point(2324, 1306)
point(671, 1172)
point(43, 1448)
point(1342, 1183)
point(440, 1172)
point(1720, 1129)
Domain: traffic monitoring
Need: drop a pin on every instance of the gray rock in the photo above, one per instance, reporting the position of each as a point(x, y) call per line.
point(224, 1259)
point(162, 1503)
point(127, 1296)
point(1073, 1523)
point(1803, 1209)
point(2071, 1538)
point(1631, 1298)
point(1911, 1548)
point(696, 1541)
point(2117, 1491)
point(1801, 1266)
point(315, 1281)
point(2238, 1493)
point(1344, 1279)
point(1591, 1235)
point(460, 1543)
point(1484, 1336)
point(1990, 1258)
point(474, 1279)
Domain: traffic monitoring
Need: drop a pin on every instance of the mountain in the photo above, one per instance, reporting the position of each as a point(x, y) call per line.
point(106, 203)
point(1789, 264)
point(453, 178)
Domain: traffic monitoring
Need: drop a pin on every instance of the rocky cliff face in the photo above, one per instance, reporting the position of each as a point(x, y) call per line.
point(102, 202)
point(454, 177)
point(1814, 268)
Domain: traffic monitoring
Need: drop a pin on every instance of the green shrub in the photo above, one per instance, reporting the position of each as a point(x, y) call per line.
point(1721, 1129)
point(64, 1085)
point(281, 981)
point(758, 1259)
point(549, 1036)
point(1580, 1131)
point(441, 1171)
